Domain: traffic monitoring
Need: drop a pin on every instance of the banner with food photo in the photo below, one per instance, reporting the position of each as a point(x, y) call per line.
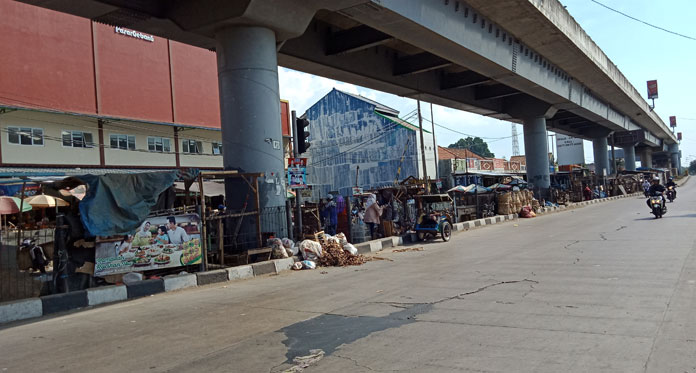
point(159, 242)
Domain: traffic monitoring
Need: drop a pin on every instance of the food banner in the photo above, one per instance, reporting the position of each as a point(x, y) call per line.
point(159, 242)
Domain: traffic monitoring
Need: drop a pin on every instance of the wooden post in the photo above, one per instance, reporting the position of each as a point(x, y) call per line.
point(19, 220)
point(221, 242)
point(204, 231)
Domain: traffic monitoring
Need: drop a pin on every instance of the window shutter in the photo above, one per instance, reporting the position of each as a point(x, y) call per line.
point(199, 147)
point(67, 138)
point(87, 137)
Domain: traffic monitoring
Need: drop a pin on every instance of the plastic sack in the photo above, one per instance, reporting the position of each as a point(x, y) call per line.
point(278, 250)
point(132, 277)
point(311, 250)
point(342, 239)
point(350, 248)
point(297, 266)
point(308, 264)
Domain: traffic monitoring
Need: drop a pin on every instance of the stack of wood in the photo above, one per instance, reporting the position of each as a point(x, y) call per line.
point(334, 256)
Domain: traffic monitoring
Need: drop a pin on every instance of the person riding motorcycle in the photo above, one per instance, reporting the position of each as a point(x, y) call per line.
point(646, 186)
point(656, 189)
point(672, 184)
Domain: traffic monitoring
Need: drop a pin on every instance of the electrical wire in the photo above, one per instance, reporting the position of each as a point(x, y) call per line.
point(643, 22)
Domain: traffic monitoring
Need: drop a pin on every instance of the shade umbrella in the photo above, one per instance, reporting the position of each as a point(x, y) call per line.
point(45, 201)
point(10, 205)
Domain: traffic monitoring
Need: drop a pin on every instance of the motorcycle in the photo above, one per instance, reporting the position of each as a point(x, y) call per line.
point(658, 206)
point(671, 195)
point(38, 257)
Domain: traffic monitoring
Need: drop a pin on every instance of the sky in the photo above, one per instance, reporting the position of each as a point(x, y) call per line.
point(641, 52)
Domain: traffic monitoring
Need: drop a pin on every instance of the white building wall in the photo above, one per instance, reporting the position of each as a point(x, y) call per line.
point(141, 156)
point(430, 156)
point(206, 159)
point(52, 152)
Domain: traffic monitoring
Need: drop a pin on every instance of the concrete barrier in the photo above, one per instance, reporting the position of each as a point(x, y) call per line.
point(240, 273)
point(397, 241)
point(284, 264)
point(20, 310)
point(375, 246)
point(177, 282)
point(64, 301)
point(212, 277)
point(263, 268)
point(145, 288)
point(106, 294)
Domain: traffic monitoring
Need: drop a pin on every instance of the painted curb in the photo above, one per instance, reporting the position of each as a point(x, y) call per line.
point(64, 301)
point(284, 264)
point(20, 310)
point(106, 294)
point(263, 268)
point(145, 288)
point(240, 273)
point(211, 277)
point(177, 282)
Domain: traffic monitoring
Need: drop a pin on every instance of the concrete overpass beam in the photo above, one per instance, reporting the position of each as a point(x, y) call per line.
point(462, 80)
point(419, 63)
point(249, 111)
point(601, 159)
point(355, 39)
point(630, 157)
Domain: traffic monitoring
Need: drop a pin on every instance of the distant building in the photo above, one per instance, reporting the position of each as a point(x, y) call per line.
point(463, 167)
point(359, 142)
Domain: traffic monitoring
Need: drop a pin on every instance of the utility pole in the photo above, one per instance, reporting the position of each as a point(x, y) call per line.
point(422, 144)
point(298, 192)
point(432, 121)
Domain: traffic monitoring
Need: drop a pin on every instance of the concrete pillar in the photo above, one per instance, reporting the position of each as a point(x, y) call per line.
point(674, 155)
point(601, 160)
point(646, 158)
point(536, 153)
point(250, 116)
point(630, 157)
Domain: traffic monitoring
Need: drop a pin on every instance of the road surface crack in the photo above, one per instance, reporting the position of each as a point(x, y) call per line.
point(601, 235)
point(357, 364)
point(571, 244)
point(460, 296)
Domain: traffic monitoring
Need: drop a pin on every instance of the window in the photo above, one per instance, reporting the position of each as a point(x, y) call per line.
point(125, 142)
point(158, 144)
point(25, 136)
point(192, 147)
point(217, 148)
point(77, 139)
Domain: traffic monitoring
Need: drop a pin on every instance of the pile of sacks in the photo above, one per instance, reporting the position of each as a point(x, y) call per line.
point(282, 248)
point(514, 202)
point(336, 251)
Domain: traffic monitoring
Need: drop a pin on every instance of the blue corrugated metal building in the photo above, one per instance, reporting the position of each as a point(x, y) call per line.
point(350, 133)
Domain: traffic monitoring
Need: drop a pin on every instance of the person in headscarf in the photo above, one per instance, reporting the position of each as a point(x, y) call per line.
point(330, 215)
point(372, 213)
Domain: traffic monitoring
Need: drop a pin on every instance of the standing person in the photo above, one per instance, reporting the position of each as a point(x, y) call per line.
point(372, 214)
point(331, 215)
point(587, 192)
point(177, 235)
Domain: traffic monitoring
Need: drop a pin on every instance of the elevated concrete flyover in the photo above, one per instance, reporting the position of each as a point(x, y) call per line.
point(526, 61)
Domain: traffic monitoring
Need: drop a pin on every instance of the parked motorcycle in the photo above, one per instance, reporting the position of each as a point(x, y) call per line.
point(671, 194)
point(658, 206)
point(38, 257)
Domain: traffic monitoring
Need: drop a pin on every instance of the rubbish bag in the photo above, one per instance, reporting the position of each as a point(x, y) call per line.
point(308, 264)
point(311, 250)
point(290, 247)
point(277, 248)
point(350, 248)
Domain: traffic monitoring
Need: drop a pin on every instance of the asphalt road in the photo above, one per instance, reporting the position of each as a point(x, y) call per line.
point(600, 288)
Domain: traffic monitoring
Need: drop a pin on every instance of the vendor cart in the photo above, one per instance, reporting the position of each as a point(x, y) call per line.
point(434, 216)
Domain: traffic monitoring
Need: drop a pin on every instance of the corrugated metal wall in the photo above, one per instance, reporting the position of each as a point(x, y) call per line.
point(346, 133)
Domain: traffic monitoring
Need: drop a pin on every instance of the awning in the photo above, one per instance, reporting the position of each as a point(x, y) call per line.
point(210, 188)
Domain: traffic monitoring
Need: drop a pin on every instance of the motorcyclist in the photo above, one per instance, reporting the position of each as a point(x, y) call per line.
point(672, 184)
point(646, 185)
point(656, 189)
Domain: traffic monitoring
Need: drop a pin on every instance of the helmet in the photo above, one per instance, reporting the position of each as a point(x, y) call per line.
point(330, 197)
point(656, 178)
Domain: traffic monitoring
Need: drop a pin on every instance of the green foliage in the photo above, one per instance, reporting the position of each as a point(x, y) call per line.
point(692, 168)
point(475, 144)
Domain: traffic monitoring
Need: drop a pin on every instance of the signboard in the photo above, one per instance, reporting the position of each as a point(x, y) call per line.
point(679, 136)
point(652, 89)
point(672, 121)
point(357, 191)
point(160, 242)
point(569, 150)
point(297, 173)
point(629, 137)
point(438, 184)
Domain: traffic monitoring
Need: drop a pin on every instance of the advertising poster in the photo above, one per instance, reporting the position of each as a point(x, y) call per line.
point(569, 150)
point(160, 242)
point(297, 173)
point(652, 89)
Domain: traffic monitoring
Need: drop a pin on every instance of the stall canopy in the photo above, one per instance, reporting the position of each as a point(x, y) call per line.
point(118, 203)
point(469, 189)
point(210, 188)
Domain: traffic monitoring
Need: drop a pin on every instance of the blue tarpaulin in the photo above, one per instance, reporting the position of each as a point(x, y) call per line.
point(119, 203)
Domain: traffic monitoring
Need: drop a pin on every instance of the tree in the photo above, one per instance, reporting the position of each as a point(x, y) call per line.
point(475, 144)
point(692, 168)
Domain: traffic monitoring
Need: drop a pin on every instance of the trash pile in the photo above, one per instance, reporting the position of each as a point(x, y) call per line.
point(520, 202)
point(326, 250)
